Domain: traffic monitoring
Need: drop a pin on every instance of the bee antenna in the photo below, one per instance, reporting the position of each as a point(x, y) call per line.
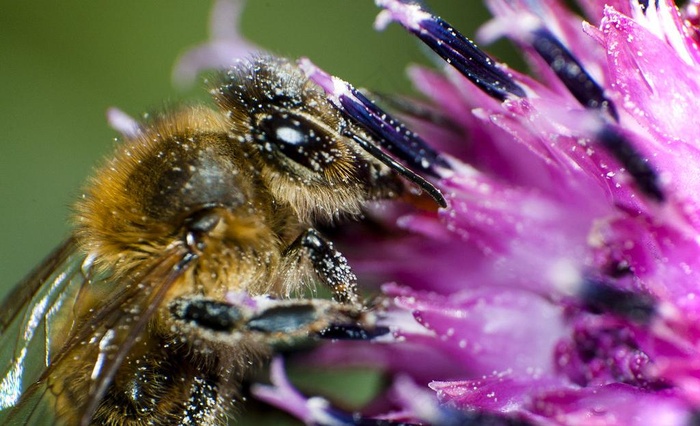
point(380, 155)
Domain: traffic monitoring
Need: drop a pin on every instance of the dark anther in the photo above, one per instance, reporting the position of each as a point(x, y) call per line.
point(391, 134)
point(387, 132)
point(600, 297)
point(456, 50)
point(592, 96)
point(413, 109)
point(571, 72)
point(467, 58)
point(210, 314)
point(363, 421)
point(644, 176)
point(694, 419)
point(645, 4)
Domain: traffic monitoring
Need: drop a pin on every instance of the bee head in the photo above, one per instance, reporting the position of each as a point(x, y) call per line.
point(299, 142)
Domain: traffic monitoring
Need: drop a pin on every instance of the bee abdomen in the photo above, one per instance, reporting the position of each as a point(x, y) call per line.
point(165, 388)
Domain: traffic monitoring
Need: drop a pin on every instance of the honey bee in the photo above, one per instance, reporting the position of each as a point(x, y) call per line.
point(190, 249)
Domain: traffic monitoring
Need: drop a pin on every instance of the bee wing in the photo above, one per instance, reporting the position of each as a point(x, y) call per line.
point(25, 320)
point(93, 334)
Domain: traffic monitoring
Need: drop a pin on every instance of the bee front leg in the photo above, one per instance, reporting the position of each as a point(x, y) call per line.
point(328, 264)
point(332, 268)
point(246, 331)
point(260, 321)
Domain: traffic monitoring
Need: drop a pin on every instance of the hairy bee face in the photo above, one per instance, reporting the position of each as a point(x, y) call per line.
point(300, 142)
point(189, 244)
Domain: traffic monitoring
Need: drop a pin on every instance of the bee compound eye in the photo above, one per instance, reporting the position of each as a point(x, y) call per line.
point(298, 139)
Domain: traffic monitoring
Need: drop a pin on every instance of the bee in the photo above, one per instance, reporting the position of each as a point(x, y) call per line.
point(190, 250)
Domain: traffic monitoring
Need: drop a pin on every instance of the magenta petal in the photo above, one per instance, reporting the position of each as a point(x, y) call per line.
point(548, 401)
point(283, 395)
point(678, 32)
point(658, 88)
point(496, 393)
point(507, 223)
point(662, 256)
point(611, 405)
point(595, 8)
point(491, 330)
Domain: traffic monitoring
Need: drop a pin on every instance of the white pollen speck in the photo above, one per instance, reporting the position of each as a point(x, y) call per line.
point(289, 135)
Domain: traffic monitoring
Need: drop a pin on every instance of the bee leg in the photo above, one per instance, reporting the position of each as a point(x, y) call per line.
point(212, 315)
point(261, 320)
point(329, 264)
point(333, 269)
point(353, 332)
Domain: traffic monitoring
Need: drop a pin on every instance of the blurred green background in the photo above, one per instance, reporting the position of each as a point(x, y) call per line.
point(62, 64)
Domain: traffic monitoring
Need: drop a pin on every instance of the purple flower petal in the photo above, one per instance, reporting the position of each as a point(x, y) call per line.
point(485, 329)
point(123, 123)
point(283, 395)
point(500, 392)
point(225, 47)
point(546, 401)
point(655, 85)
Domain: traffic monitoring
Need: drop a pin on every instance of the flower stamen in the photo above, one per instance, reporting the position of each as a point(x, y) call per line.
point(637, 166)
point(452, 46)
point(389, 132)
point(571, 72)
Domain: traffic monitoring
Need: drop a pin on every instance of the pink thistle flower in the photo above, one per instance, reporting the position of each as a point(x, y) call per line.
point(559, 283)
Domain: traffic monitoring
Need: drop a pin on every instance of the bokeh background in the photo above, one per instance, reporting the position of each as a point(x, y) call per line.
point(62, 64)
